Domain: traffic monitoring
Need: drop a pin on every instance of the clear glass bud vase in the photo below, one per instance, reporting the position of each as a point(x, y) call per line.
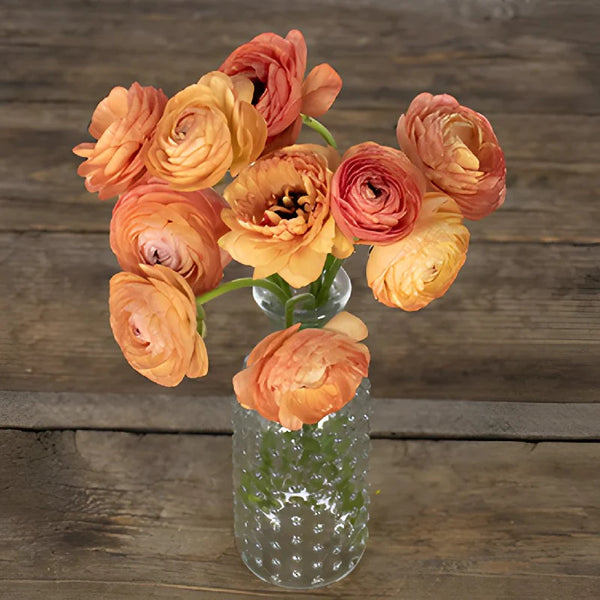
point(301, 498)
point(339, 294)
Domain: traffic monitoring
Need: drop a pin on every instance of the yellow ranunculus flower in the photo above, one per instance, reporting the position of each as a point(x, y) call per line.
point(207, 128)
point(409, 274)
point(279, 217)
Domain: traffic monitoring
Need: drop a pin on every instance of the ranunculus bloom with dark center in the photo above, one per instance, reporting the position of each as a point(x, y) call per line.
point(153, 224)
point(207, 128)
point(122, 123)
point(298, 376)
point(457, 150)
point(419, 268)
point(153, 319)
point(376, 194)
point(276, 66)
point(279, 217)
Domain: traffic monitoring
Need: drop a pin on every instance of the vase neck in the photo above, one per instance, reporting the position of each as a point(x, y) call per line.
point(272, 307)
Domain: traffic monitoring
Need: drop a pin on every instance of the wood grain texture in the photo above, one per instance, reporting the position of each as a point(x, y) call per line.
point(392, 417)
point(101, 514)
point(522, 326)
point(522, 322)
point(114, 515)
point(531, 67)
point(552, 173)
point(474, 48)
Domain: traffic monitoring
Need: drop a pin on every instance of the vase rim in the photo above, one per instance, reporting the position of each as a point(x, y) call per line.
point(273, 308)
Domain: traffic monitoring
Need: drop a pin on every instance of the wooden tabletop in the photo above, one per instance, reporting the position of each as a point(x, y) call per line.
point(486, 429)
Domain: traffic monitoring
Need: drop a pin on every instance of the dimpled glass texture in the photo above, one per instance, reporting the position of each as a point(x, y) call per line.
point(301, 498)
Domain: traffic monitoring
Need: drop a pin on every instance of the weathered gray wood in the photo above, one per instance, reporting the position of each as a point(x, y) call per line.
point(552, 171)
point(531, 67)
point(392, 417)
point(519, 57)
point(100, 515)
point(516, 326)
point(113, 515)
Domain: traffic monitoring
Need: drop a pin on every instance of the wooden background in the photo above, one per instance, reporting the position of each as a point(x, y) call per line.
point(111, 487)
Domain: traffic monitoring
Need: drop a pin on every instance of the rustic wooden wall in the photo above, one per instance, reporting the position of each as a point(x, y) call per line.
point(103, 495)
point(522, 321)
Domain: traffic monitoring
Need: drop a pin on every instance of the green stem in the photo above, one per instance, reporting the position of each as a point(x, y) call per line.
point(291, 303)
point(243, 282)
point(279, 281)
point(320, 129)
point(315, 286)
point(328, 278)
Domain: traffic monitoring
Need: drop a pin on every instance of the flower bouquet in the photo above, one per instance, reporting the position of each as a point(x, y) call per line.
point(294, 213)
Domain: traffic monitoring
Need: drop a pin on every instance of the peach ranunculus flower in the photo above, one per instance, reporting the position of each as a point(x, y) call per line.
point(457, 150)
point(279, 217)
point(153, 319)
point(298, 376)
point(409, 274)
point(122, 123)
point(276, 66)
point(207, 128)
point(376, 194)
point(153, 224)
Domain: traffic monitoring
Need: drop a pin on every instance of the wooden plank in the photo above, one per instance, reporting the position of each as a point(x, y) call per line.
point(392, 417)
point(100, 514)
point(521, 323)
point(519, 57)
point(552, 174)
point(532, 67)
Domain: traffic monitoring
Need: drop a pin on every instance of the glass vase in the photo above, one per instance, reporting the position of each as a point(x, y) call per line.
point(339, 294)
point(301, 498)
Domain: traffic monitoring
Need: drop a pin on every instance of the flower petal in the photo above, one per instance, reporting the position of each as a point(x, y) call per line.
point(348, 324)
point(320, 89)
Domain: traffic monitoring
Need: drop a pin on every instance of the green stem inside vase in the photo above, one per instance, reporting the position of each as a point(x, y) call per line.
point(309, 302)
point(304, 460)
point(327, 279)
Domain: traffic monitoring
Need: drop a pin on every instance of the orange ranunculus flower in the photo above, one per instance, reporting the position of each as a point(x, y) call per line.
point(279, 217)
point(207, 128)
point(276, 66)
point(299, 376)
point(376, 194)
point(409, 274)
point(122, 123)
point(457, 150)
point(153, 224)
point(153, 319)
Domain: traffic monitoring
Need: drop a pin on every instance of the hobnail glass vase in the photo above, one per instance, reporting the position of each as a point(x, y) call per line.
point(301, 498)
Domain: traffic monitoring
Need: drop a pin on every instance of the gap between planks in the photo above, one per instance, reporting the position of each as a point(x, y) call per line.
point(553, 240)
point(392, 418)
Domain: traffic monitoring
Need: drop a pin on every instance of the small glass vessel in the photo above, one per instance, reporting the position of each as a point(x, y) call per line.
point(301, 498)
point(339, 294)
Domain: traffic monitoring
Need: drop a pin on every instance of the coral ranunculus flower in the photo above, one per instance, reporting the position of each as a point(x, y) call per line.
point(153, 319)
point(153, 224)
point(376, 194)
point(276, 66)
point(299, 376)
point(207, 128)
point(122, 123)
point(409, 274)
point(279, 217)
point(457, 150)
